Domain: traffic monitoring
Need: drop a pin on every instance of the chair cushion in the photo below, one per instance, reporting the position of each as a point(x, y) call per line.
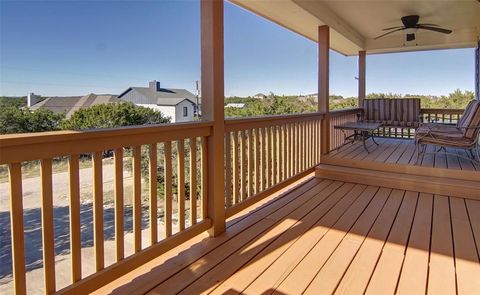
point(395, 112)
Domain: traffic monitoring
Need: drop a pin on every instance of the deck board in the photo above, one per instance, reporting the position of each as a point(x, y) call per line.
point(401, 151)
point(329, 237)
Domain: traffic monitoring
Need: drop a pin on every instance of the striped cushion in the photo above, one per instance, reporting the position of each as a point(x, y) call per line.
point(472, 120)
point(468, 109)
point(397, 112)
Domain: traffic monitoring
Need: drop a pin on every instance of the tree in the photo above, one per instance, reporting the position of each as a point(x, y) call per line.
point(113, 115)
point(16, 120)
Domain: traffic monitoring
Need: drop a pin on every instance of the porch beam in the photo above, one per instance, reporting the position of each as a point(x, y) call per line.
point(323, 85)
point(361, 77)
point(212, 85)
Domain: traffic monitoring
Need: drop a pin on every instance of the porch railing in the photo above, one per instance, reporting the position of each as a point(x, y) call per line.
point(449, 116)
point(338, 117)
point(264, 153)
point(167, 189)
point(162, 154)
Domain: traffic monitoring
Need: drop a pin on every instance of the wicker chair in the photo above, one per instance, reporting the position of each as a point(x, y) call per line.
point(464, 135)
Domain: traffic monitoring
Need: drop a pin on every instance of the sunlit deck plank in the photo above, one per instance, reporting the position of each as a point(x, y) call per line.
point(413, 279)
point(358, 274)
point(320, 203)
point(298, 280)
point(441, 275)
point(384, 278)
point(224, 251)
point(268, 267)
point(332, 271)
point(466, 257)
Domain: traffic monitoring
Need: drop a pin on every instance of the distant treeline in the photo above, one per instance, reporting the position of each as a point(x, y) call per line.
point(275, 104)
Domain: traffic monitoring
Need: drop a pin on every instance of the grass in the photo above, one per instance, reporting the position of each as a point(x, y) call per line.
point(32, 168)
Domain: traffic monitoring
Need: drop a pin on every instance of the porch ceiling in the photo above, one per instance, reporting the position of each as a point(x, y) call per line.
point(354, 24)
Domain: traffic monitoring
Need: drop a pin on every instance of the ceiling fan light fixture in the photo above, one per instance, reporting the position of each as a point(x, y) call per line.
point(409, 31)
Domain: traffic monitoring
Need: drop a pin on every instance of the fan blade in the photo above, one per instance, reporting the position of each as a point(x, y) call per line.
point(387, 29)
point(433, 25)
point(388, 33)
point(440, 30)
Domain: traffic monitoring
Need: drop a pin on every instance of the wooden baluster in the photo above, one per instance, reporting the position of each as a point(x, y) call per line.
point(75, 226)
point(289, 150)
point(168, 199)
point(270, 156)
point(47, 226)
point(181, 184)
point(283, 129)
point(257, 161)
point(204, 177)
point(281, 155)
point(137, 199)
point(228, 169)
point(250, 162)
point(298, 148)
point(243, 166)
point(17, 230)
point(309, 147)
point(264, 159)
point(304, 144)
point(119, 211)
point(153, 194)
point(193, 181)
point(98, 211)
point(236, 171)
point(274, 155)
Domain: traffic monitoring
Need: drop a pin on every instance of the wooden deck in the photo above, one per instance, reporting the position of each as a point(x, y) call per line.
point(322, 237)
point(399, 155)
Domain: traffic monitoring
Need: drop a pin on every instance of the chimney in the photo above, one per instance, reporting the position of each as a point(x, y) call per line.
point(31, 99)
point(154, 85)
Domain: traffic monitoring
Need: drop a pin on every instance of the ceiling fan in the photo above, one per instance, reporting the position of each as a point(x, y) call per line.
point(411, 25)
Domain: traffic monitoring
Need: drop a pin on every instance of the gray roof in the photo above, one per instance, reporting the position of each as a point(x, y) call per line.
point(168, 97)
point(70, 104)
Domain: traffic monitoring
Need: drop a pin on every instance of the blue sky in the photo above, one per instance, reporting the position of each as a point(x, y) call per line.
point(78, 47)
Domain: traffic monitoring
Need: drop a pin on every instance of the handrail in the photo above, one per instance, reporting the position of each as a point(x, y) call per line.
point(441, 111)
point(34, 146)
point(237, 124)
point(339, 112)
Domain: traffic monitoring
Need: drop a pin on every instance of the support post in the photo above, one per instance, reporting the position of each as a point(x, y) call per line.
point(323, 84)
point(212, 69)
point(361, 77)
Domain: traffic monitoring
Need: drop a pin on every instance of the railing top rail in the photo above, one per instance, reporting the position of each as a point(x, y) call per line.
point(43, 145)
point(344, 111)
point(441, 111)
point(236, 124)
point(232, 121)
point(68, 135)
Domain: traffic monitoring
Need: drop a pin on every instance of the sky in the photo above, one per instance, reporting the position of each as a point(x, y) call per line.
point(79, 47)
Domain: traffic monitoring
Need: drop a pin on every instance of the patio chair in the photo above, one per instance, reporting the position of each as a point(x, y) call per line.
point(463, 135)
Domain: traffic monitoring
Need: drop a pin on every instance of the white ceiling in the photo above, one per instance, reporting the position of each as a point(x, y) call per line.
point(354, 23)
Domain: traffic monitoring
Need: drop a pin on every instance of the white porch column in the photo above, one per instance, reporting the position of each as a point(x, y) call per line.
point(323, 84)
point(361, 77)
point(212, 108)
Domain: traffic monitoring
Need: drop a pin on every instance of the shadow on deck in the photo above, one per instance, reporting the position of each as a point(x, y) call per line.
point(325, 236)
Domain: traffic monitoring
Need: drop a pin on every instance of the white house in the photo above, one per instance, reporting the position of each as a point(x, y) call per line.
point(178, 104)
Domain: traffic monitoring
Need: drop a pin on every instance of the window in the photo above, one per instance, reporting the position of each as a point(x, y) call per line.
point(185, 111)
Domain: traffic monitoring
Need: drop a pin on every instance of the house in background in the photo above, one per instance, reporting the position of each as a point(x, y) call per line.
point(260, 96)
point(178, 104)
point(69, 104)
point(235, 105)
